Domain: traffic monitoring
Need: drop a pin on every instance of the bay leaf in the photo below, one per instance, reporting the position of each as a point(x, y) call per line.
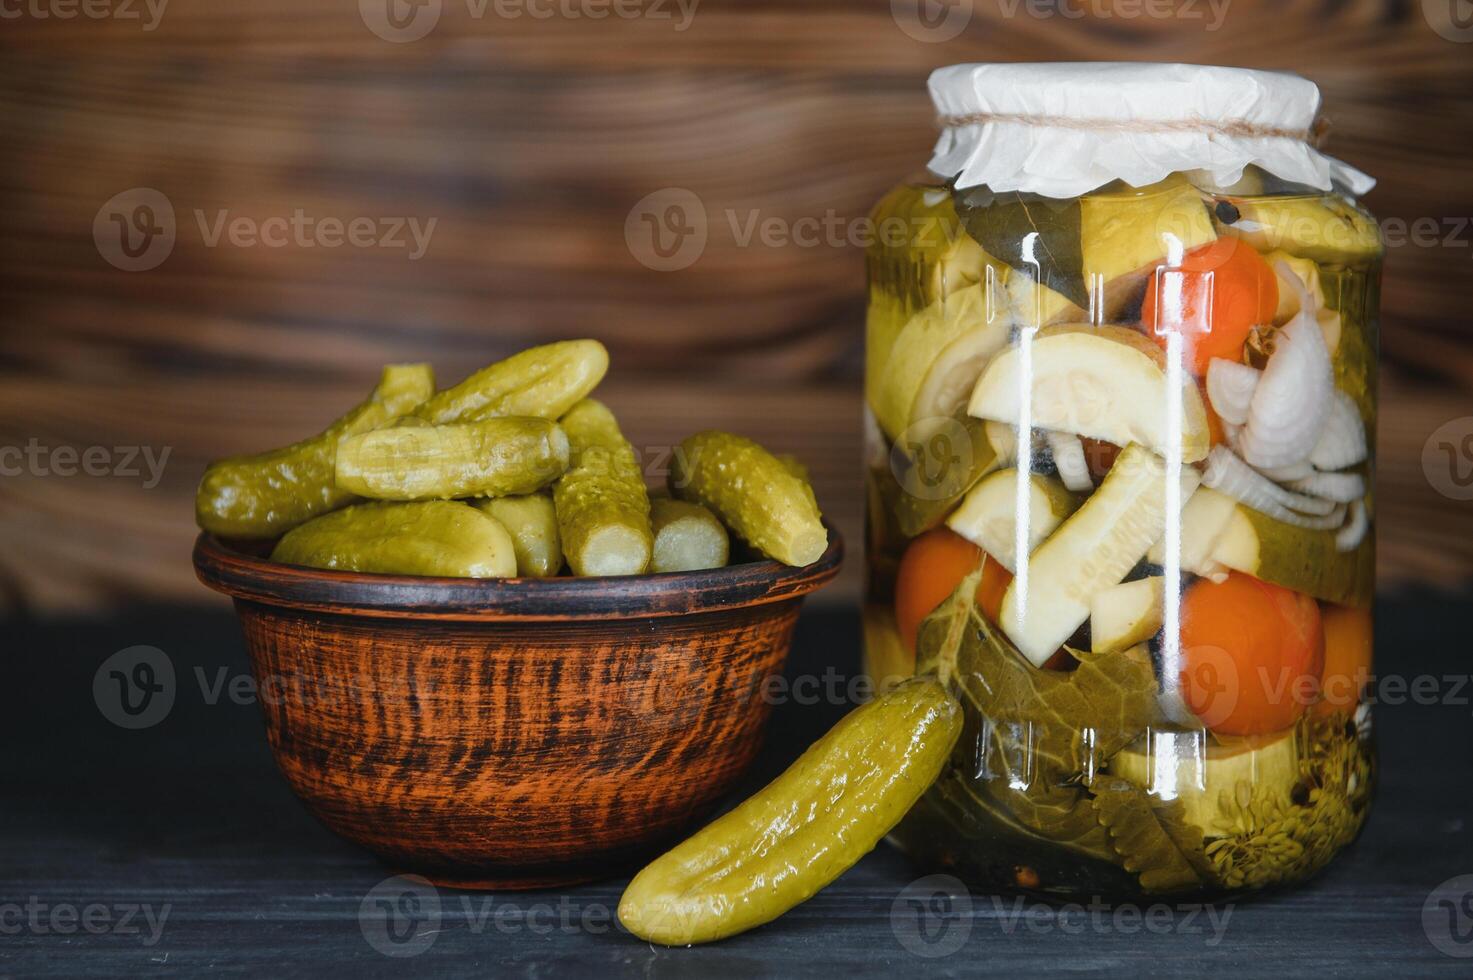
point(1031, 233)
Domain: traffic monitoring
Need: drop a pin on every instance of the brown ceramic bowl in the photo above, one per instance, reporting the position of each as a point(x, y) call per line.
point(516, 733)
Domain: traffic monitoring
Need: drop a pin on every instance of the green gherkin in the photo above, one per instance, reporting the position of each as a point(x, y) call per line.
point(416, 461)
point(603, 508)
point(754, 493)
point(543, 382)
point(803, 829)
point(263, 495)
point(437, 537)
point(531, 520)
point(688, 537)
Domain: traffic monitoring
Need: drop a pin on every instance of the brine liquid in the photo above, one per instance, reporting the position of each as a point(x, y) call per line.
point(1076, 797)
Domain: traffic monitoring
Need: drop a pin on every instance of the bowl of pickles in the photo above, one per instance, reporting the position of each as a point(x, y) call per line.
point(487, 651)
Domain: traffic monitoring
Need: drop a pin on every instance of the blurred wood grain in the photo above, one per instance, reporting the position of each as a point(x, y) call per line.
point(527, 141)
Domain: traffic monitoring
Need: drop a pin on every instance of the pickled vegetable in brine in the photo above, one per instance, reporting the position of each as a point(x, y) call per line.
point(1120, 501)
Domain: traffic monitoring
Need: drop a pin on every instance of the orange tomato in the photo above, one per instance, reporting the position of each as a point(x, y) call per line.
point(1226, 288)
point(1252, 654)
point(930, 570)
point(1347, 658)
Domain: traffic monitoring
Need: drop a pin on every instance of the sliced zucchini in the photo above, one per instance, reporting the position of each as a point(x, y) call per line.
point(1218, 782)
point(936, 258)
point(1325, 229)
point(1125, 235)
point(936, 359)
point(1091, 551)
point(1309, 274)
point(1219, 533)
point(1107, 383)
point(987, 516)
point(1126, 614)
point(928, 476)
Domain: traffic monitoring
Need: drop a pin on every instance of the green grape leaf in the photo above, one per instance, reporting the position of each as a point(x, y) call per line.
point(1152, 837)
point(1033, 737)
point(1062, 817)
point(1065, 719)
point(1037, 235)
point(941, 634)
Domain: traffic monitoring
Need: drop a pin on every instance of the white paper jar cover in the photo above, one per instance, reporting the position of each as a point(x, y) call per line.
point(1062, 130)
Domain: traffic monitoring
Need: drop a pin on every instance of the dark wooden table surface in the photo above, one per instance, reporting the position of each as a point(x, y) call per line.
point(178, 850)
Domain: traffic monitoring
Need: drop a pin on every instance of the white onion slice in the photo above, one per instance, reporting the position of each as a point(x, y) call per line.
point(1228, 474)
point(1004, 441)
point(1068, 454)
point(1354, 531)
point(1342, 442)
point(1340, 487)
point(1281, 474)
point(1293, 396)
point(1230, 387)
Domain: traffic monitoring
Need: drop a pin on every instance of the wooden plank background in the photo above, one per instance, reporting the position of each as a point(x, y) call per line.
point(528, 141)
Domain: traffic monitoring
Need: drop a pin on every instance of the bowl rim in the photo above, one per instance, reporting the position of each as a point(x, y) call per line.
point(243, 576)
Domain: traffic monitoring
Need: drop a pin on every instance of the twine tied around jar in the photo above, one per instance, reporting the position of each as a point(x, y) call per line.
point(1237, 128)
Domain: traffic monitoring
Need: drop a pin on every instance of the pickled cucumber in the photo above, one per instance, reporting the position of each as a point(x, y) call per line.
point(753, 493)
point(263, 495)
point(804, 829)
point(491, 458)
point(437, 537)
point(687, 537)
point(531, 521)
point(603, 508)
point(795, 466)
point(543, 382)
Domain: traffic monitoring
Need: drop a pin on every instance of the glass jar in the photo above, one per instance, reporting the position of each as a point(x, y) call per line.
point(1162, 396)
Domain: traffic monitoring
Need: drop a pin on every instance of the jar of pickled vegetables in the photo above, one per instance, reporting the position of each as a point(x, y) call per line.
point(1121, 395)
